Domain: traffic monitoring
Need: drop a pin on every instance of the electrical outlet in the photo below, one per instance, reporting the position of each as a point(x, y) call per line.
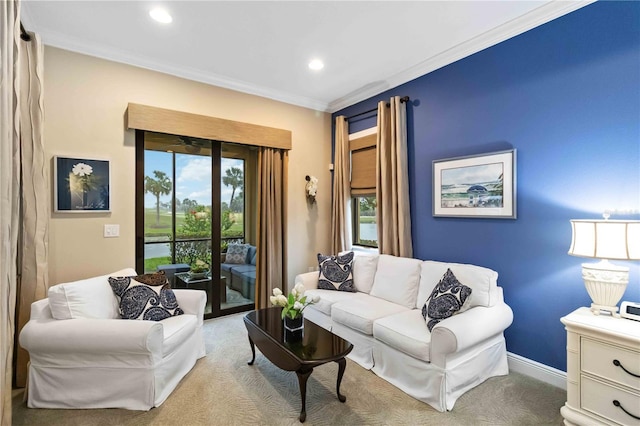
point(111, 231)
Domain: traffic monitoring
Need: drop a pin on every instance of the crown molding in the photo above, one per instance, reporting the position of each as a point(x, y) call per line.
point(54, 39)
point(517, 26)
point(536, 17)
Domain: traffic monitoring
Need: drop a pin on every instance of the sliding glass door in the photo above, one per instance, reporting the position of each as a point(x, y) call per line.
point(194, 199)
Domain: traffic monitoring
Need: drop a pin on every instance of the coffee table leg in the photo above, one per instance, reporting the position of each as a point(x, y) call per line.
point(253, 351)
point(342, 365)
point(303, 375)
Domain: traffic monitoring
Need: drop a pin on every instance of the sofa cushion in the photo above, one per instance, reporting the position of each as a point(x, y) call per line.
point(445, 300)
point(336, 272)
point(364, 271)
point(145, 297)
point(227, 266)
point(328, 298)
point(360, 312)
point(237, 253)
point(89, 298)
point(482, 281)
point(397, 280)
point(406, 332)
point(242, 269)
point(251, 255)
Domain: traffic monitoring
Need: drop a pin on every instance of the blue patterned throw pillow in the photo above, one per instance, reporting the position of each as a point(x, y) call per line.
point(237, 253)
point(445, 300)
point(145, 297)
point(336, 272)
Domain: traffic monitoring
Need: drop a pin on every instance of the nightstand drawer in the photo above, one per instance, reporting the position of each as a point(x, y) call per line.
point(598, 359)
point(598, 397)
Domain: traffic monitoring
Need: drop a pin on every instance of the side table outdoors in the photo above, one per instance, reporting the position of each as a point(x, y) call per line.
point(184, 280)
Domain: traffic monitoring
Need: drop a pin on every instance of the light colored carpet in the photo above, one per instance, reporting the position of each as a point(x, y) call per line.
point(223, 390)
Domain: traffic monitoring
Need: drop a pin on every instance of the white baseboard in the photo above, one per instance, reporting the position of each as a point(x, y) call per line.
point(531, 368)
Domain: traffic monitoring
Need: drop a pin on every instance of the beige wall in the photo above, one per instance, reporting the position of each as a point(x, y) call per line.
point(85, 103)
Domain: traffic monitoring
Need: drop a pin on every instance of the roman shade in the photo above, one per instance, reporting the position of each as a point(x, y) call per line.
point(363, 165)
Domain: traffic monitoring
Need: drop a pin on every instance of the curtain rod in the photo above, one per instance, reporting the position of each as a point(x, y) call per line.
point(23, 33)
point(403, 99)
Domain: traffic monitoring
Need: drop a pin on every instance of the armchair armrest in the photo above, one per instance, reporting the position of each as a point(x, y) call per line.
point(192, 302)
point(467, 329)
point(40, 310)
point(308, 279)
point(92, 336)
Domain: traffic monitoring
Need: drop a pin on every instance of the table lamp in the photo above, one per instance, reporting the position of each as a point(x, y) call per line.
point(606, 240)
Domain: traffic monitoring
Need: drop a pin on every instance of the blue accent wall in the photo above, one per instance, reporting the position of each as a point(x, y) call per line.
point(566, 96)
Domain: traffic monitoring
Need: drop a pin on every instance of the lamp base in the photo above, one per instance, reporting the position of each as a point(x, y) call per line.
point(605, 284)
point(598, 309)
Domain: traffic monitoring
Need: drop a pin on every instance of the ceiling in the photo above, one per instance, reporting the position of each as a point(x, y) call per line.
point(264, 47)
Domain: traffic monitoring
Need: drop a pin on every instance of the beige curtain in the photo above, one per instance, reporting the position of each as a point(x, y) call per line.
point(33, 243)
point(392, 187)
point(271, 265)
point(340, 210)
point(9, 204)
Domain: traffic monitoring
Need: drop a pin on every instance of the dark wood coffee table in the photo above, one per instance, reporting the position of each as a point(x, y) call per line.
point(318, 346)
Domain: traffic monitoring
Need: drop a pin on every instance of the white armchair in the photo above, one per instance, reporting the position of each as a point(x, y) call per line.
point(84, 356)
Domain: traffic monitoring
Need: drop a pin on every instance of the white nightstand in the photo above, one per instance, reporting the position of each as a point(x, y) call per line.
point(603, 370)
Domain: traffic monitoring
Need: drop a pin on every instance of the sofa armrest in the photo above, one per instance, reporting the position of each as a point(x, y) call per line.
point(192, 302)
point(467, 329)
point(90, 336)
point(308, 279)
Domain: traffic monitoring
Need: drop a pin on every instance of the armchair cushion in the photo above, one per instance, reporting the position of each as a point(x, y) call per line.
point(145, 297)
point(88, 298)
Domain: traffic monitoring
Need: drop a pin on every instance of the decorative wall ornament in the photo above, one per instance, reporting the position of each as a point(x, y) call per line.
point(311, 188)
point(480, 186)
point(81, 185)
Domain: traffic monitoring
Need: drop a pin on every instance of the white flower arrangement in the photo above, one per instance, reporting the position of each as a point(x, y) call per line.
point(294, 304)
point(311, 188)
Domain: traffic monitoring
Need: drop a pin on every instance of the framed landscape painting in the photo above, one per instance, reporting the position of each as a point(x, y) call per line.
point(479, 186)
point(81, 185)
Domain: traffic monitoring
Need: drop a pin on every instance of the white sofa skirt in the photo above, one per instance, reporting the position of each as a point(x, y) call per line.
point(432, 384)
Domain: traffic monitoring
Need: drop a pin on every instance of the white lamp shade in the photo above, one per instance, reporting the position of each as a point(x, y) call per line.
point(606, 239)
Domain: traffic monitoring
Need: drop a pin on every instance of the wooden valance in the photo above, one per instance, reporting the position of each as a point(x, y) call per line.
point(144, 117)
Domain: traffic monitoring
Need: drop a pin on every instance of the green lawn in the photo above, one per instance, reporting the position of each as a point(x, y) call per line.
point(151, 264)
point(367, 219)
point(153, 227)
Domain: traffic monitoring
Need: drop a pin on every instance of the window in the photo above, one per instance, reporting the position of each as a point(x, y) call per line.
point(362, 146)
point(177, 208)
point(365, 227)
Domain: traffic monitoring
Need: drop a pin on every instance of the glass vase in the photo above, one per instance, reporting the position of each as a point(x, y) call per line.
point(293, 329)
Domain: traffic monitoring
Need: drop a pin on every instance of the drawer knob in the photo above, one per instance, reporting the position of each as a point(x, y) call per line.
point(619, 364)
point(617, 404)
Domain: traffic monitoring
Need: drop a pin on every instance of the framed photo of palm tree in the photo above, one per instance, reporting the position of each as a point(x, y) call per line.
point(478, 186)
point(81, 185)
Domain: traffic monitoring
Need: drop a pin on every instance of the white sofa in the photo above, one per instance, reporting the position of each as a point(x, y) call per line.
point(384, 322)
point(84, 356)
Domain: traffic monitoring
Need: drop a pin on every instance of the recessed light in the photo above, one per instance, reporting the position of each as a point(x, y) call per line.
point(316, 65)
point(161, 16)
